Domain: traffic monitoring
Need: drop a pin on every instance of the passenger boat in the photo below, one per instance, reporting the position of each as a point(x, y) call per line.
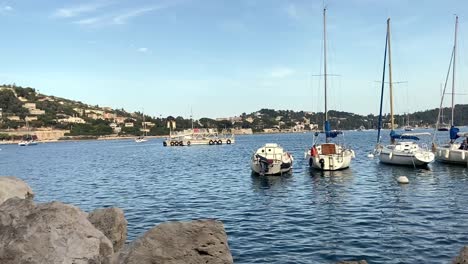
point(271, 159)
point(199, 136)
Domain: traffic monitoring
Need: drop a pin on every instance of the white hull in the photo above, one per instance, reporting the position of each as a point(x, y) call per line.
point(271, 160)
point(451, 154)
point(27, 143)
point(405, 154)
point(140, 140)
point(190, 142)
point(339, 159)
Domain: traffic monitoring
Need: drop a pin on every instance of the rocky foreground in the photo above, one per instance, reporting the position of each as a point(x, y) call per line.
point(59, 233)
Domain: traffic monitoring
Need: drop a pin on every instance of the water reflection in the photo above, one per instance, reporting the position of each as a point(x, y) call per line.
point(265, 182)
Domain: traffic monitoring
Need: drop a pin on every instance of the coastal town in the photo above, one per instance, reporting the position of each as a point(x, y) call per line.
point(25, 112)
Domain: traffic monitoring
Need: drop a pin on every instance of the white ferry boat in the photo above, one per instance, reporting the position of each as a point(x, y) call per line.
point(199, 136)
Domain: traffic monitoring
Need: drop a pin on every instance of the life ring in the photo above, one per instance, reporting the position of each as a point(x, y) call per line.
point(176, 143)
point(188, 143)
point(172, 143)
point(219, 142)
point(164, 143)
point(322, 163)
point(228, 141)
point(181, 143)
point(211, 142)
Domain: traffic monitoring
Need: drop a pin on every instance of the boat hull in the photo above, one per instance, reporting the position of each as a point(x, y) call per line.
point(190, 142)
point(273, 169)
point(396, 157)
point(451, 154)
point(339, 158)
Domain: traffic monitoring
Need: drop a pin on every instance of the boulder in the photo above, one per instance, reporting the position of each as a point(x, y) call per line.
point(112, 223)
point(194, 242)
point(49, 233)
point(462, 257)
point(13, 187)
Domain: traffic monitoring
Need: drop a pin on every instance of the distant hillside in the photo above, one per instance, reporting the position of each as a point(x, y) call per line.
point(23, 106)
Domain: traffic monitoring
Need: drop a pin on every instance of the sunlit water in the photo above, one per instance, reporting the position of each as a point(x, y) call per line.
point(307, 217)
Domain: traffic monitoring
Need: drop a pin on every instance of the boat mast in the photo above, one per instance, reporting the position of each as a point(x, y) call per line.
point(390, 75)
point(382, 91)
point(325, 65)
point(453, 75)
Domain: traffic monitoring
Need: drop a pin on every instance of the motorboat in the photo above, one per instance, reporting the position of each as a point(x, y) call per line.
point(271, 159)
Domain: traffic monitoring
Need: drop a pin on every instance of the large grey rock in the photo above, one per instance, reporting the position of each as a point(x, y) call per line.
point(194, 242)
point(112, 223)
point(462, 257)
point(13, 187)
point(49, 233)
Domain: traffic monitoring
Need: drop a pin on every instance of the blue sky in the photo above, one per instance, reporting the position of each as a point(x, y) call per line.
point(222, 58)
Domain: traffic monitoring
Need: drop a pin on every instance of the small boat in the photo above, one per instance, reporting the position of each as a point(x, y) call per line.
point(28, 142)
point(408, 128)
point(142, 138)
point(271, 159)
point(406, 153)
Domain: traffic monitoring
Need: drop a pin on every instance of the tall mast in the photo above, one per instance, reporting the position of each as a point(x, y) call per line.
point(382, 91)
point(325, 60)
point(390, 75)
point(453, 75)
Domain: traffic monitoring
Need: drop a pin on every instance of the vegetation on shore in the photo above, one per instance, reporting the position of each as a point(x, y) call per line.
point(87, 120)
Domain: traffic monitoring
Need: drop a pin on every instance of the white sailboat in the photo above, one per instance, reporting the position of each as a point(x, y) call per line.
point(328, 156)
point(399, 153)
point(142, 138)
point(29, 140)
point(452, 152)
point(271, 159)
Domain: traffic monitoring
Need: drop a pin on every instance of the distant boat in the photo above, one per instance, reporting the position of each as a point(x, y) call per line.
point(142, 138)
point(398, 153)
point(271, 159)
point(328, 156)
point(28, 140)
point(453, 152)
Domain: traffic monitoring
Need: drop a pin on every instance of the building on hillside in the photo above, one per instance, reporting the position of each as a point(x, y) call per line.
point(72, 120)
point(148, 124)
point(13, 118)
point(30, 118)
point(22, 99)
point(47, 98)
point(129, 125)
point(36, 112)
point(30, 106)
point(249, 119)
point(109, 115)
point(119, 119)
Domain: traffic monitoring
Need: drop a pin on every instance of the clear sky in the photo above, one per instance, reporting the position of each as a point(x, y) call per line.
point(222, 57)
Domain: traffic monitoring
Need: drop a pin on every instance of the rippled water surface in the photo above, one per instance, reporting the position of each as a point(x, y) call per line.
point(307, 217)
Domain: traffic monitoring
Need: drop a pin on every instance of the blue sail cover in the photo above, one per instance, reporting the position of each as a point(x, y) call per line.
point(328, 132)
point(453, 132)
point(394, 135)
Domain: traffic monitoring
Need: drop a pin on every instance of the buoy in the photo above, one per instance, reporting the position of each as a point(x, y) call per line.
point(403, 179)
point(370, 155)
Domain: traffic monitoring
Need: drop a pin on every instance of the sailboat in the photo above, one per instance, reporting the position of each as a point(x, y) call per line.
point(453, 152)
point(142, 138)
point(405, 152)
point(28, 140)
point(408, 127)
point(328, 156)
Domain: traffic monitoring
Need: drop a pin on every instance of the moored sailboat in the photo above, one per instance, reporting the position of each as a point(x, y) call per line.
point(452, 152)
point(399, 153)
point(328, 156)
